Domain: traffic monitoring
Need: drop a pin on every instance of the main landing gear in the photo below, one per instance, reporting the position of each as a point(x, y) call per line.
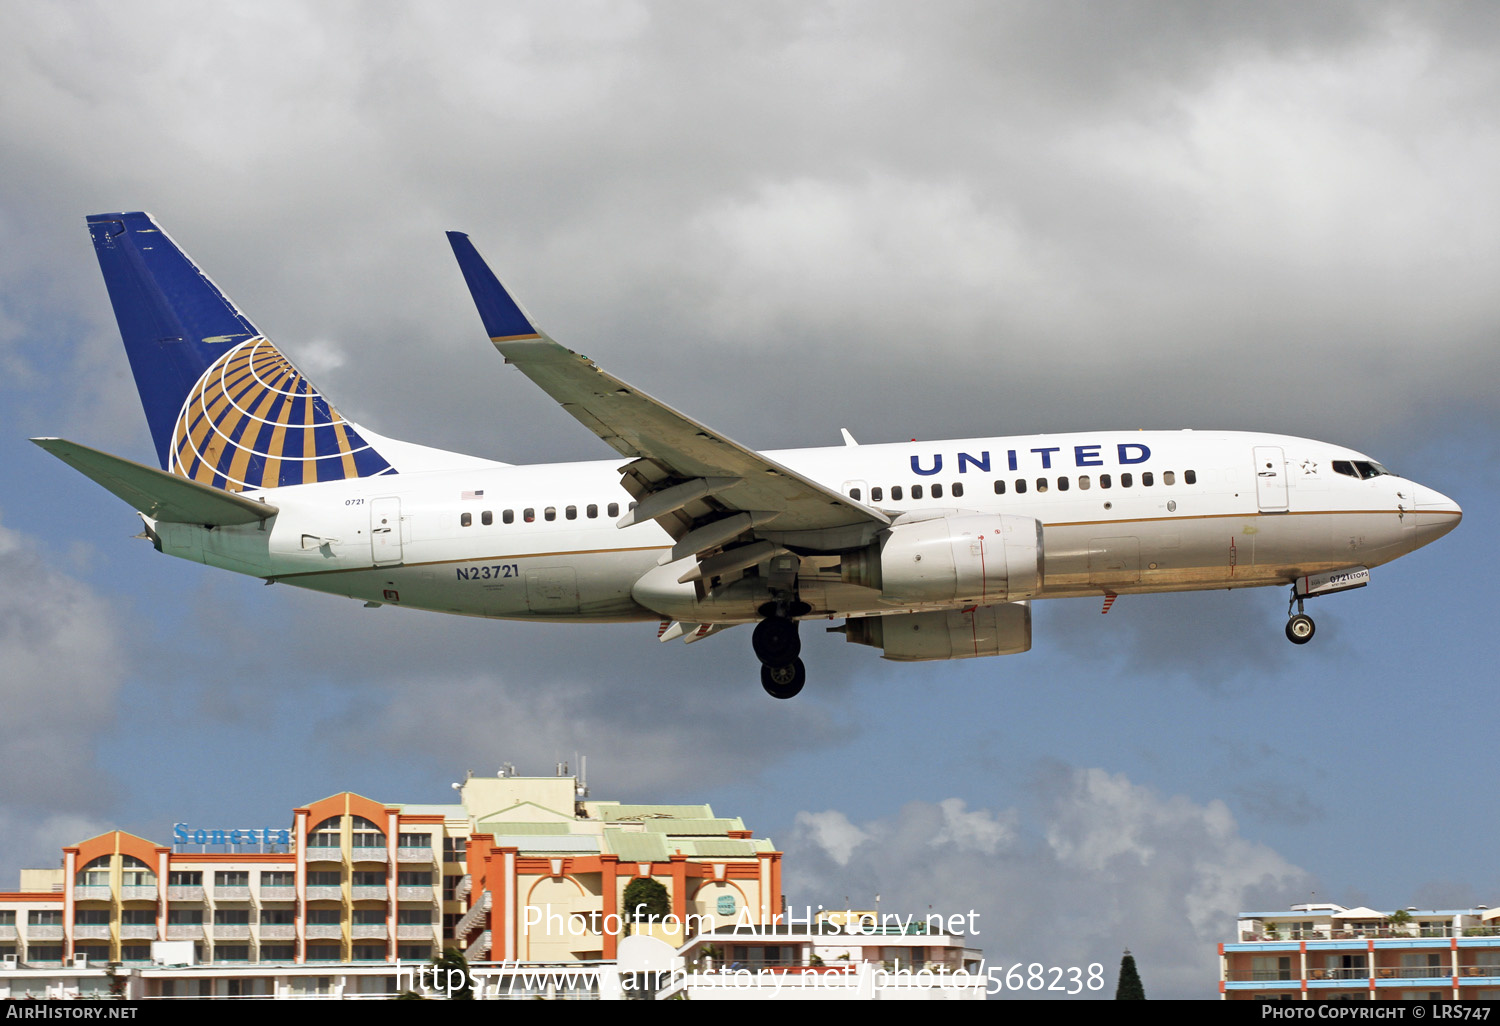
point(1299, 628)
point(777, 646)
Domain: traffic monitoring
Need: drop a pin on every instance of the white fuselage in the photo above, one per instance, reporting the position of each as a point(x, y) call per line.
point(1121, 512)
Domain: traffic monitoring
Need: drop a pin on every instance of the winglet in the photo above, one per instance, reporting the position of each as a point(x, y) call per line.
point(503, 317)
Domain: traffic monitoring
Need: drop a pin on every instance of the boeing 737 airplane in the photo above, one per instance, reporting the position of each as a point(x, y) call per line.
point(925, 550)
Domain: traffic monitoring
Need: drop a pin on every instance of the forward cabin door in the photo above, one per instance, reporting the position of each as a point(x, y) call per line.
point(1270, 478)
point(385, 531)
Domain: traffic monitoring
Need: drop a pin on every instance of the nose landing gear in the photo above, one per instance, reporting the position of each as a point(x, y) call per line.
point(1299, 628)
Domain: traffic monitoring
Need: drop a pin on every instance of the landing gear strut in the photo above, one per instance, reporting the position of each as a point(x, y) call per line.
point(777, 646)
point(1299, 628)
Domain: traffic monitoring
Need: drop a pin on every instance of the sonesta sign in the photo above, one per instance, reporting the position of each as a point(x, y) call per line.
point(182, 834)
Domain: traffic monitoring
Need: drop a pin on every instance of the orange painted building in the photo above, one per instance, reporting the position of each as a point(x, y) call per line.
point(522, 869)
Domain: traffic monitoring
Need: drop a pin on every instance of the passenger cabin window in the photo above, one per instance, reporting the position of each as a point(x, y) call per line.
point(466, 520)
point(486, 518)
point(571, 512)
point(877, 494)
point(591, 511)
point(854, 494)
point(1105, 481)
point(1126, 480)
point(613, 509)
point(1062, 484)
point(937, 491)
point(551, 513)
point(1041, 484)
point(1147, 479)
point(895, 493)
point(916, 491)
point(1020, 486)
point(999, 487)
point(1190, 477)
point(958, 489)
point(508, 517)
point(529, 514)
point(1168, 477)
point(1083, 482)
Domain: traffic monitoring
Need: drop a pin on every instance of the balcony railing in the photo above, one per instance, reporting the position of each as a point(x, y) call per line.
point(91, 892)
point(138, 931)
point(184, 931)
point(370, 892)
point(415, 892)
point(278, 931)
point(369, 931)
point(370, 855)
point(324, 855)
point(414, 931)
point(187, 893)
point(91, 931)
point(41, 933)
point(138, 892)
point(422, 856)
point(324, 892)
point(231, 931)
point(231, 893)
point(325, 931)
point(8, 932)
point(278, 894)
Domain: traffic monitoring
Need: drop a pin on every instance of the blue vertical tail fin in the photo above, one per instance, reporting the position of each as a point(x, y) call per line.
point(226, 408)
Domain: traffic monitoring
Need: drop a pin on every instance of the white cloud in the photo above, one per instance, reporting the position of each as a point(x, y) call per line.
point(1106, 864)
point(61, 662)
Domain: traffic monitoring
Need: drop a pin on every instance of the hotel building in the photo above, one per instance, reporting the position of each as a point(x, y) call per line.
point(1328, 952)
point(524, 869)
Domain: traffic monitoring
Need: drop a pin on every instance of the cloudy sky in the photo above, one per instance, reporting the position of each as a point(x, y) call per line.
point(913, 221)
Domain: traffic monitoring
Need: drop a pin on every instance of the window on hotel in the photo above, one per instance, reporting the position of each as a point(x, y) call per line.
point(277, 917)
point(180, 878)
point(450, 887)
point(44, 917)
point(95, 874)
point(138, 916)
point(414, 917)
point(278, 879)
point(414, 840)
point(369, 916)
point(184, 917)
point(413, 878)
point(367, 834)
point(369, 878)
point(232, 878)
point(325, 878)
point(325, 916)
point(326, 834)
point(231, 917)
point(455, 847)
point(135, 873)
point(90, 916)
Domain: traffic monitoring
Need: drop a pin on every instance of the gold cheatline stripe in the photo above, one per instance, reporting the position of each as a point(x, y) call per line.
point(514, 338)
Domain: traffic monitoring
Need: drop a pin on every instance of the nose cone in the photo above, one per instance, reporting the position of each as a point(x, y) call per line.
point(1435, 514)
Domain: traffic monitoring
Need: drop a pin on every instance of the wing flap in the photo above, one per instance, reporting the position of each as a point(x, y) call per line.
point(159, 495)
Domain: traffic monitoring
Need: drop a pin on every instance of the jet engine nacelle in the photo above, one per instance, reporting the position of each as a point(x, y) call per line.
point(955, 557)
point(1003, 629)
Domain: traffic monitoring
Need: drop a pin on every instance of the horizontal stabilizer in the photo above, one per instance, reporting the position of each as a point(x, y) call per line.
point(159, 495)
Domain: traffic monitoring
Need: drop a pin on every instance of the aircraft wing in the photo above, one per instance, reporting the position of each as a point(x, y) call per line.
point(710, 493)
point(159, 495)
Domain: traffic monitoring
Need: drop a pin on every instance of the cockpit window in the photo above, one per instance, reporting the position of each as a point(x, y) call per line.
point(1361, 469)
